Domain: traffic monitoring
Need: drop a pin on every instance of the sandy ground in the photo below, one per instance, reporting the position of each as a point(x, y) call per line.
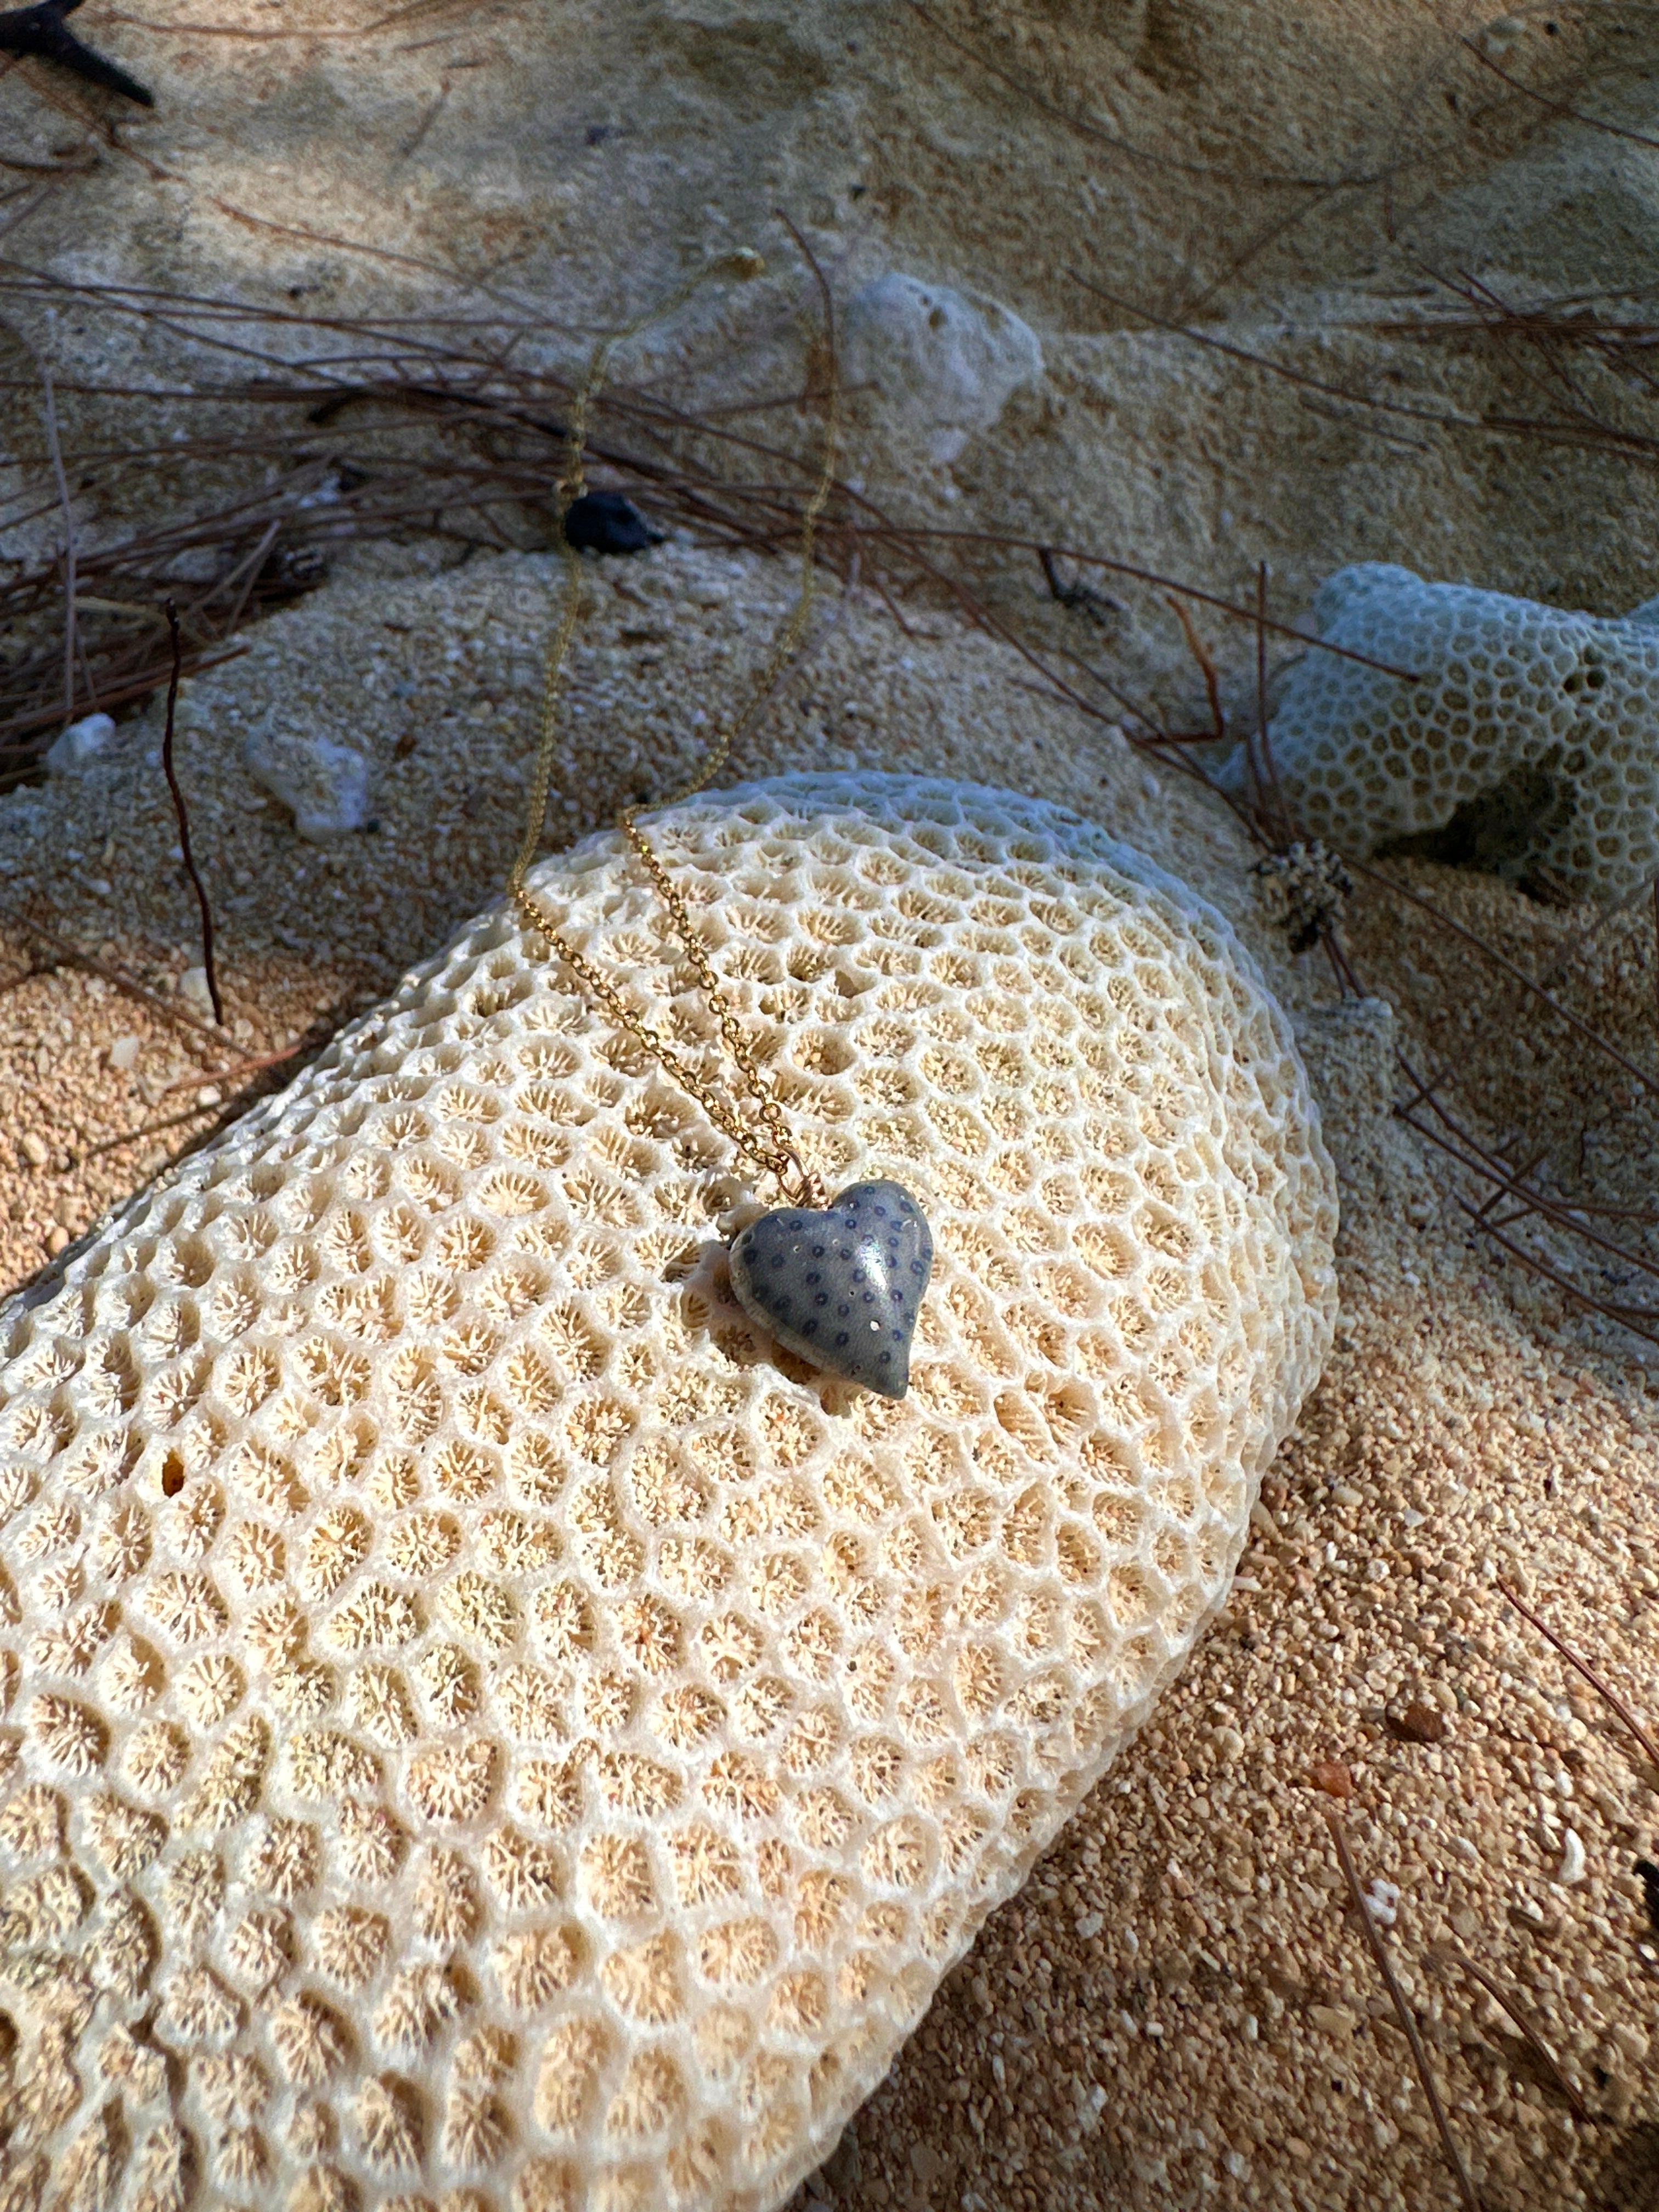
point(1179, 2010)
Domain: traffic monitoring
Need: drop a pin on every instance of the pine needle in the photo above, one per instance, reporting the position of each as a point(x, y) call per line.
point(1402, 2014)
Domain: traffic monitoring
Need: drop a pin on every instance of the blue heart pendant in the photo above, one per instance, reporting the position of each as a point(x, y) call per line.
point(842, 1287)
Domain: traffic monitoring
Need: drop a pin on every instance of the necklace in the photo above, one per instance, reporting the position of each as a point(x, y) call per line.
point(839, 1281)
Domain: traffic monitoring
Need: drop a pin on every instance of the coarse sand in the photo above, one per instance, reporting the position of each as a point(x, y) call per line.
point(1180, 2009)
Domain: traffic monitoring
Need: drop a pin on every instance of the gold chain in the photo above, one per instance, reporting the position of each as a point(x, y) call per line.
point(766, 1139)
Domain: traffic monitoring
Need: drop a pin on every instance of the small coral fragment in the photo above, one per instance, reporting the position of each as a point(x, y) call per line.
point(1529, 734)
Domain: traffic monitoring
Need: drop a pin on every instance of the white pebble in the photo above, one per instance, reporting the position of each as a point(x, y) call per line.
point(81, 742)
point(1381, 1902)
point(324, 785)
point(123, 1054)
point(1572, 1859)
point(945, 362)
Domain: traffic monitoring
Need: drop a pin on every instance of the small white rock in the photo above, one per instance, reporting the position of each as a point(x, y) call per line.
point(1500, 34)
point(946, 362)
point(193, 986)
point(1572, 1859)
point(124, 1053)
point(1381, 1902)
point(34, 1149)
point(324, 785)
point(74, 747)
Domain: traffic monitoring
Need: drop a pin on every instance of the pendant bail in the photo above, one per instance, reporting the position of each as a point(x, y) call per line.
point(807, 1189)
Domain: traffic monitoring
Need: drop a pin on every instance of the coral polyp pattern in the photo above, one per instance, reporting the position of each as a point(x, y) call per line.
point(484, 1729)
point(1546, 721)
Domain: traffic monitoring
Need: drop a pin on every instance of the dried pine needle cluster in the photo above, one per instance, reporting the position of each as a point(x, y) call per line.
point(480, 1728)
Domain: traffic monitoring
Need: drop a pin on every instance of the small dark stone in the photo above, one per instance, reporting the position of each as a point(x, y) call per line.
point(605, 522)
point(1419, 1724)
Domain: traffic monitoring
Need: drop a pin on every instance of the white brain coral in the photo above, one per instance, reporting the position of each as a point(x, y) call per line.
point(480, 1728)
point(1543, 723)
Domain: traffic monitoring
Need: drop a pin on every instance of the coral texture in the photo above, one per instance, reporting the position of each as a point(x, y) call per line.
point(1539, 726)
point(481, 1721)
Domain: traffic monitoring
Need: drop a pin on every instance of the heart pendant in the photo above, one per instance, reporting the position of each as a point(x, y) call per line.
point(842, 1287)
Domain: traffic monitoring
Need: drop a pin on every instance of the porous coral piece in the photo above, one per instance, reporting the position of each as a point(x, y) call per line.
point(1534, 728)
point(945, 362)
point(677, 1731)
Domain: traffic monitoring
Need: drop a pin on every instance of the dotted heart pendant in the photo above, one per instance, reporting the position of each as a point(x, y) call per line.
point(842, 1287)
